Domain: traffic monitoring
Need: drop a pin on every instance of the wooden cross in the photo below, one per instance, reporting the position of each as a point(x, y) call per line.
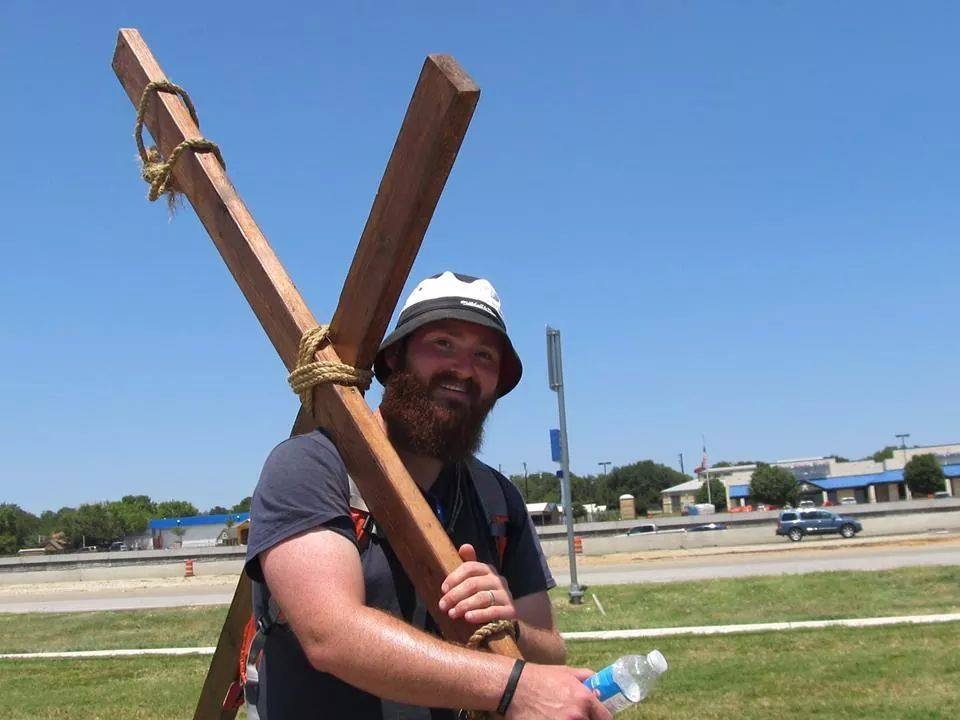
point(427, 145)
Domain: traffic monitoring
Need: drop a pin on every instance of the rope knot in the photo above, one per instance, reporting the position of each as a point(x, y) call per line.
point(156, 171)
point(309, 372)
point(481, 636)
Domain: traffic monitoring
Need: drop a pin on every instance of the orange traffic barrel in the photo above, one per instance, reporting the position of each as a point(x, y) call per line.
point(578, 545)
point(188, 568)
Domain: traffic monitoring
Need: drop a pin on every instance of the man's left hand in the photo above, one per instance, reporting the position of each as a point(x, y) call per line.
point(476, 592)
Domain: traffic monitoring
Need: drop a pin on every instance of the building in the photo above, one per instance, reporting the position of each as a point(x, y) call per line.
point(196, 531)
point(826, 480)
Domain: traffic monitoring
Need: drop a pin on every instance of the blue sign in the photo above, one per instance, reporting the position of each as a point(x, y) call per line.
point(555, 453)
point(560, 474)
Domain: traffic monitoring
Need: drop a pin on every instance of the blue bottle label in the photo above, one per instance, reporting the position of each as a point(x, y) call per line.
point(604, 682)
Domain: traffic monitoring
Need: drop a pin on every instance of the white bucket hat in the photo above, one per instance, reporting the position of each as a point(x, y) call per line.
point(461, 297)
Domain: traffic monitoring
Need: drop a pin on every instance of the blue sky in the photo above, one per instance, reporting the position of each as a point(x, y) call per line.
point(741, 216)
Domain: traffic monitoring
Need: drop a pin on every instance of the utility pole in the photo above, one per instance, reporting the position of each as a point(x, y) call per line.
point(903, 444)
point(681, 464)
point(526, 486)
point(555, 375)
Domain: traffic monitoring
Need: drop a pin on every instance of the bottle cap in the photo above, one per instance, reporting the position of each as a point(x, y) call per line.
point(657, 661)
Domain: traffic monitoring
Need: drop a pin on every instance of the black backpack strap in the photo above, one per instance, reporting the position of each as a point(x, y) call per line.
point(494, 503)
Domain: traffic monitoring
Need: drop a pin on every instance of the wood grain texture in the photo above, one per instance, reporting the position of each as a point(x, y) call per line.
point(429, 140)
point(423, 155)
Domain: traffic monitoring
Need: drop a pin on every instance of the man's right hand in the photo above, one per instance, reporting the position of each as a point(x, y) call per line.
point(555, 692)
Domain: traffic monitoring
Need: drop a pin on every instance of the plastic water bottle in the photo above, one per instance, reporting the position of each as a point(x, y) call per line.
point(628, 680)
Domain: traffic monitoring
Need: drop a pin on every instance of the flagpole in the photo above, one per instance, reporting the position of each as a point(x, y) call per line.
point(706, 470)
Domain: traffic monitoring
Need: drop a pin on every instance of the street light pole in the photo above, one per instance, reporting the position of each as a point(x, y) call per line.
point(526, 486)
point(681, 464)
point(605, 464)
point(903, 444)
point(555, 378)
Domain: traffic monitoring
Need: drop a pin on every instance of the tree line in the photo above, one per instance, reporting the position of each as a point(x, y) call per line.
point(644, 480)
point(93, 524)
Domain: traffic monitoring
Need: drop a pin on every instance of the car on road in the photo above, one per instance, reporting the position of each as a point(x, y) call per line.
point(807, 504)
point(795, 524)
point(707, 527)
point(644, 529)
point(848, 501)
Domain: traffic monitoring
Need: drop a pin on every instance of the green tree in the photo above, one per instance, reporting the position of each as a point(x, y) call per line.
point(17, 528)
point(774, 485)
point(717, 496)
point(176, 508)
point(218, 510)
point(133, 513)
point(644, 480)
point(885, 454)
point(242, 506)
point(94, 524)
point(924, 475)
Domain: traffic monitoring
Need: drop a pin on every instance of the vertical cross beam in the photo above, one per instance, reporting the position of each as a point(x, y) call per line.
point(429, 139)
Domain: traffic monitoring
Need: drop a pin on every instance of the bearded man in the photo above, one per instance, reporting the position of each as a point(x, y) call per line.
point(355, 641)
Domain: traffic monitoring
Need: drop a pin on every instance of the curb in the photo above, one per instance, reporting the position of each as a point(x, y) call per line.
point(590, 635)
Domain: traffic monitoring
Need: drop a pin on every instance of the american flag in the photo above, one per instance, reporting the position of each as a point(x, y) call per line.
point(704, 464)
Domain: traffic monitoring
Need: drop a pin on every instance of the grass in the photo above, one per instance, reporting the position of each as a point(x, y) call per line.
point(889, 673)
point(892, 673)
point(815, 596)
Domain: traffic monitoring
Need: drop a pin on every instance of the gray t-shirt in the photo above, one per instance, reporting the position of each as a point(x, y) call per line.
point(304, 485)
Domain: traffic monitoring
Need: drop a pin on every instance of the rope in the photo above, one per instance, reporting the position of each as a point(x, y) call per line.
point(157, 172)
point(480, 638)
point(309, 372)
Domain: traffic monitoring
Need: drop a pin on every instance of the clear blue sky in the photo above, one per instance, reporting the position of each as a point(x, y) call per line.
point(743, 217)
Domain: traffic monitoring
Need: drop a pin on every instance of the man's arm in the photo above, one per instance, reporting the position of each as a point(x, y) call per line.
point(540, 640)
point(466, 595)
point(316, 579)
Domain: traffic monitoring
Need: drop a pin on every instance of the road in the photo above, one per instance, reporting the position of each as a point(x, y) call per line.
point(811, 555)
point(805, 557)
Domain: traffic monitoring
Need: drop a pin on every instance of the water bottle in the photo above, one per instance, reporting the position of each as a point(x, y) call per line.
point(628, 680)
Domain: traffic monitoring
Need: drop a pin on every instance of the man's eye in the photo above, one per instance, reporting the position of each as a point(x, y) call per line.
point(486, 355)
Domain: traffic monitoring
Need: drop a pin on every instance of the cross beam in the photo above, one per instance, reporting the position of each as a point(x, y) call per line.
point(426, 147)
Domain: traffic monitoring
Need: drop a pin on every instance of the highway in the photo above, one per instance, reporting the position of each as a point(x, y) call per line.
point(811, 555)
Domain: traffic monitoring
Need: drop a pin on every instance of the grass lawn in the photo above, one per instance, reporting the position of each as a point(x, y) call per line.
point(815, 596)
point(891, 673)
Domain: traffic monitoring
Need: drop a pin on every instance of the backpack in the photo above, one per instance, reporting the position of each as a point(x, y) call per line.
point(247, 685)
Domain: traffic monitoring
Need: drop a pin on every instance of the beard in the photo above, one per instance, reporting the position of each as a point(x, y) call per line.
point(449, 430)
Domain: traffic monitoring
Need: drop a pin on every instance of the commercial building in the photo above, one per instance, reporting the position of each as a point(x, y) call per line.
point(825, 480)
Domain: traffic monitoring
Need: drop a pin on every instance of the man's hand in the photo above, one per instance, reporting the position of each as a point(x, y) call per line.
point(476, 592)
point(555, 692)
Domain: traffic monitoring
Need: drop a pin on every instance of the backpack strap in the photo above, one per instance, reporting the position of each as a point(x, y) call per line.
point(494, 503)
point(258, 628)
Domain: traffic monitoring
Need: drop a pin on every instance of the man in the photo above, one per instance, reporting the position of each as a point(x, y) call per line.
point(357, 642)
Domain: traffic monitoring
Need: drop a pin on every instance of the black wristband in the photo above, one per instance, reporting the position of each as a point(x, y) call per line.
point(511, 687)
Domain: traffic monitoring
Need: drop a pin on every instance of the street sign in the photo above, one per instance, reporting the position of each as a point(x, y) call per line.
point(556, 453)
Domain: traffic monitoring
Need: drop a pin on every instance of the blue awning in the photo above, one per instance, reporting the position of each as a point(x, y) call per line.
point(857, 481)
point(168, 523)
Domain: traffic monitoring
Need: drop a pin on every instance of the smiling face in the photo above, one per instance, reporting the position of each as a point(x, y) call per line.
point(441, 388)
point(461, 358)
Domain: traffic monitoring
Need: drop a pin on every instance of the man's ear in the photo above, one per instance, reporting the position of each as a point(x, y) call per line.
point(393, 356)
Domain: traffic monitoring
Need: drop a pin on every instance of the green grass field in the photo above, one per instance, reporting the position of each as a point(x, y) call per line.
point(890, 673)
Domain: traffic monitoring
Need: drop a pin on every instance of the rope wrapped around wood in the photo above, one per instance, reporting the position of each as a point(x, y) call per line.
point(478, 640)
point(309, 372)
point(155, 170)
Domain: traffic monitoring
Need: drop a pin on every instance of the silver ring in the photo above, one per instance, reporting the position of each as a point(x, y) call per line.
point(493, 599)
